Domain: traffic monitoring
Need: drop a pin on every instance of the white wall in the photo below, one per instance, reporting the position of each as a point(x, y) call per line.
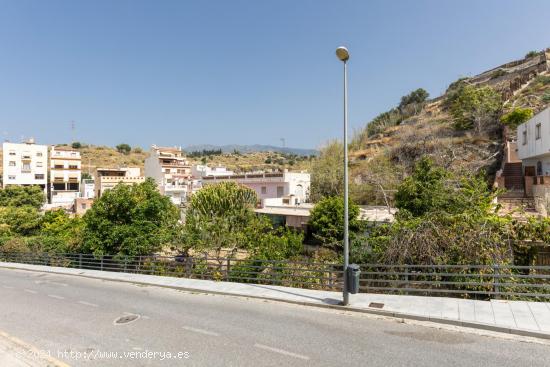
point(534, 147)
point(38, 164)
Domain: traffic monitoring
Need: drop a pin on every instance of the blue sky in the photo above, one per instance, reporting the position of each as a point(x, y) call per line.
point(238, 72)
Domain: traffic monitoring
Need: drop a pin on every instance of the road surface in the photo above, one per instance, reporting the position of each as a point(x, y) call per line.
point(89, 322)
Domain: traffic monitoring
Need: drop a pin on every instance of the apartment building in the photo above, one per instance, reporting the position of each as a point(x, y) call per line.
point(25, 164)
point(171, 171)
point(65, 176)
point(270, 185)
point(107, 178)
point(87, 188)
point(533, 144)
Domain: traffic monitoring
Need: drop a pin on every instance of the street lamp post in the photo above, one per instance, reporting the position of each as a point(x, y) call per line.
point(343, 54)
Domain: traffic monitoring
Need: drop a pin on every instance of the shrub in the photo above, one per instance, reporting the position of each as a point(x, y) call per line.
point(516, 117)
point(475, 107)
point(531, 54)
point(327, 220)
point(124, 148)
point(76, 145)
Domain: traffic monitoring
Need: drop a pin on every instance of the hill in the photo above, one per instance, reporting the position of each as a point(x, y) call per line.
point(386, 149)
point(251, 149)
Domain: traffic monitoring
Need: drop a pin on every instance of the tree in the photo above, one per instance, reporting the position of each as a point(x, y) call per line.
point(327, 220)
point(531, 54)
point(59, 232)
point(424, 190)
point(130, 220)
point(18, 196)
point(86, 176)
point(76, 145)
point(475, 107)
point(327, 172)
point(217, 216)
point(411, 103)
point(19, 221)
point(516, 117)
point(124, 148)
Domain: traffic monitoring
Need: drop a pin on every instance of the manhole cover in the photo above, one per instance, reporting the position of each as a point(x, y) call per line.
point(376, 305)
point(126, 319)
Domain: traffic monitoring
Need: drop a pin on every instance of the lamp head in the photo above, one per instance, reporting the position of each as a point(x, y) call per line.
point(342, 53)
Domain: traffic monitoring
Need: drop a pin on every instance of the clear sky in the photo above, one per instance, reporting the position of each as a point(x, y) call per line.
point(238, 72)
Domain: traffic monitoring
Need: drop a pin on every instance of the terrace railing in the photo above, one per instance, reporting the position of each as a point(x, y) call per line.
point(464, 281)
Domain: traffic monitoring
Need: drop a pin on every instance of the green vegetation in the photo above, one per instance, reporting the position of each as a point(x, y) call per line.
point(129, 220)
point(327, 221)
point(474, 107)
point(449, 218)
point(531, 54)
point(22, 196)
point(124, 148)
point(327, 174)
point(516, 117)
point(205, 153)
point(76, 145)
point(220, 220)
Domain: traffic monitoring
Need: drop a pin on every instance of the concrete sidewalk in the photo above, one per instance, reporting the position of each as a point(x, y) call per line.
point(514, 317)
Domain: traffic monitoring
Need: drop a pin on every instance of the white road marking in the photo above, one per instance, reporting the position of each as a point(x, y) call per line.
point(51, 282)
point(55, 296)
point(200, 331)
point(88, 304)
point(281, 351)
point(7, 286)
point(30, 291)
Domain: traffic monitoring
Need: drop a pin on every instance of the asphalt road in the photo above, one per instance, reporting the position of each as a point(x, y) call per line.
point(73, 319)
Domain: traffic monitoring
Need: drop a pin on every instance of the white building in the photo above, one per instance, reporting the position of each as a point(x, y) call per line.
point(25, 164)
point(270, 185)
point(533, 144)
point(172, 172)
point(65, 176)
point(201, 170)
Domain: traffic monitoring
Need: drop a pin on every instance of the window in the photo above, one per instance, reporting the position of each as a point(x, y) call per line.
point(39, 154)
point(11, 177)
point(264, 190)
point(524, 137)
point(39, 176)
point(537, 131)
point(12, 152)
point(26, 167)
point(280, 191)
point(83, 205)
point(12, 163)
point(38, 164)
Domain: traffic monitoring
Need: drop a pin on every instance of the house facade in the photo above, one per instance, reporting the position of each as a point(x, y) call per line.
point(107, 178)
point(25, 164)
point(171, 171)
point(65, 176)
point(533, 144)
point(270, 185)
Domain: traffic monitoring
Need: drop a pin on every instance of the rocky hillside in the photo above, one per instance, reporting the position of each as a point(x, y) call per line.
point(387, 148)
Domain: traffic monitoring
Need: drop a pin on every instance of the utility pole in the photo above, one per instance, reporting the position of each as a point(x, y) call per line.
point(73, 126)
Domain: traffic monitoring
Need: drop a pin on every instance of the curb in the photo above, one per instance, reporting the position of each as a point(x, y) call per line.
point(391, 314)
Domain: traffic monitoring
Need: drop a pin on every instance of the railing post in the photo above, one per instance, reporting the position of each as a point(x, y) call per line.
point(496, 279)
point(101, 263)
point(407, 279)
point(227, 268)
point(80, 261)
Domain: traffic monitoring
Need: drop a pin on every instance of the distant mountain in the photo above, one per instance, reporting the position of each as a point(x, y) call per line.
point(250, 149)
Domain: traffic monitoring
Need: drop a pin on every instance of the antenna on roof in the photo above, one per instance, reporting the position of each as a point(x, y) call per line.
point(73, 126)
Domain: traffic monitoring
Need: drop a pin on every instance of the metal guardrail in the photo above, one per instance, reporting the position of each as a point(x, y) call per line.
point(465, 281)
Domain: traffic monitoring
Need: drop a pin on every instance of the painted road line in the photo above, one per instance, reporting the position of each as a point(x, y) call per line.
point(7, 286)
point(281, 351)
point(30, 291)
point(200, 331)
point(88, 304)
point(55, 296)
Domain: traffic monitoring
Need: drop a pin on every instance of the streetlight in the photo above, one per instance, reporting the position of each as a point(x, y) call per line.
point(343, 54)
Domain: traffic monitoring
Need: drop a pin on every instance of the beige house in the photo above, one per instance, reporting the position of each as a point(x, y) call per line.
point(107, 178)
point(65, 176)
